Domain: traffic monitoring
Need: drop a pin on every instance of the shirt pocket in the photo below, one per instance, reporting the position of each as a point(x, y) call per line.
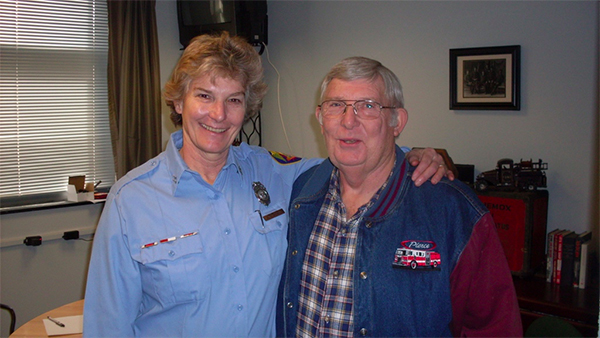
point(272, 233)
point(176, 271)
point(276, 219)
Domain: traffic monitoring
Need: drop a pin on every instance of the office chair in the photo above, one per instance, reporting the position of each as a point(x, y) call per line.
point(13, 317)
point(551, 327)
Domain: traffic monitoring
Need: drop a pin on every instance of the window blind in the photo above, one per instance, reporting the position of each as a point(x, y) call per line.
point(53, 95)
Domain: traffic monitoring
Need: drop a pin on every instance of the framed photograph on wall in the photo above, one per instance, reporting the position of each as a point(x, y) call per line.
point(486, 78)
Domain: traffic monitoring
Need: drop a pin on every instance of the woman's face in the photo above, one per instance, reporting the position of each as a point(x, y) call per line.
point(213, 112)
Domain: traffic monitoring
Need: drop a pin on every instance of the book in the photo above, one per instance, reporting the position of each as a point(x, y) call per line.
point(583, 266)
point(581, 238)
point(555, 253)
point(550, 254)
point(558, 245)
point(568, 259)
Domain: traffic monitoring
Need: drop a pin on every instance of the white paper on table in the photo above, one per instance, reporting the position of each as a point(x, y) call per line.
point(73, 324)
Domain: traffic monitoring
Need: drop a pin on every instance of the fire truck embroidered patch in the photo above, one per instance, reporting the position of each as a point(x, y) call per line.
point(416, 254)
point(283, 158)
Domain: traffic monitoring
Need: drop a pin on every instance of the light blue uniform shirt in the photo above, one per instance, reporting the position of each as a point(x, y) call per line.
point(217, 269)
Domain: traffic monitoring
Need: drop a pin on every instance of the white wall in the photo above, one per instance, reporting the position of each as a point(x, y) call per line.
point(36, 279)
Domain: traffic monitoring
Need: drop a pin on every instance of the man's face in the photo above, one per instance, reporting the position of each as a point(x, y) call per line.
point(355, 143)
point(212, 115)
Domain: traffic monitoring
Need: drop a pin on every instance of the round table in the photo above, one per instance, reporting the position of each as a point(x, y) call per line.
point(35, 327)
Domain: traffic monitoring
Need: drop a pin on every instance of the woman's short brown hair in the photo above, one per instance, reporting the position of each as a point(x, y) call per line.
point(220, 56)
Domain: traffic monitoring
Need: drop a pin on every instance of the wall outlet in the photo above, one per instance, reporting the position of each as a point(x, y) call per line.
point(71, 235)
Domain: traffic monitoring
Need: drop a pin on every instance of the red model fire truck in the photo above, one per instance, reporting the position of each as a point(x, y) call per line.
point(416, 258)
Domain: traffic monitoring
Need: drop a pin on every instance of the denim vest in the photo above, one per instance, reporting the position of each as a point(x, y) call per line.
point(390, 300)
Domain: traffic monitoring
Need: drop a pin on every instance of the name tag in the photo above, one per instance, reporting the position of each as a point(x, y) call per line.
point(273, 214)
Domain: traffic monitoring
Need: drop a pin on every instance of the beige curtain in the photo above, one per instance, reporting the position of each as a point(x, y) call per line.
point(133, 83)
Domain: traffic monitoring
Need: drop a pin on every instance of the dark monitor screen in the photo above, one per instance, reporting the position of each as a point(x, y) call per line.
point(206, 12)
point(247, 19)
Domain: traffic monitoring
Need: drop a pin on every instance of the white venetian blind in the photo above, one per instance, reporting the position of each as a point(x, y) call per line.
point(53, 95)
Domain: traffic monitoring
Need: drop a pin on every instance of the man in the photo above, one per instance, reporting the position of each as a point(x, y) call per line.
point(371, 255)
point(192, 243)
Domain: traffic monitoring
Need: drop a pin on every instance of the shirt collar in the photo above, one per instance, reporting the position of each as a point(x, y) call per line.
point(177, 166)
point(335, 192)
point(387, 195)
point(390, 193)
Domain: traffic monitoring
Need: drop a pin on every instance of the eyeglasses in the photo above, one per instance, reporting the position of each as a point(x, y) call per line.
point(364, 109)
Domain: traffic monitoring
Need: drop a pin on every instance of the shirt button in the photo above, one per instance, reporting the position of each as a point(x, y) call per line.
point(227, 231)
point(153, 163)
point(336, 273)
point(326, 319)
point(294, 253)
point(236, 269)
point(240, 307)
point(363, 275)
point(297, 206)
point(363, 332)
point(369, 225)
point(289, 305)
point(171, 253)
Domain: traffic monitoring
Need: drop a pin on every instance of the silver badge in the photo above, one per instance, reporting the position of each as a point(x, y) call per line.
point(261, 193)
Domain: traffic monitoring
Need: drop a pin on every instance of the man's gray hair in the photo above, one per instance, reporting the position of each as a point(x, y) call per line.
point(362, 68)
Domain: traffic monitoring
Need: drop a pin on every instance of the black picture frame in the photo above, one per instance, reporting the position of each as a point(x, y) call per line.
point(486, 78)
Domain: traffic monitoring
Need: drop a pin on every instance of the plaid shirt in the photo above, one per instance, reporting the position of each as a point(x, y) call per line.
point(325, 304)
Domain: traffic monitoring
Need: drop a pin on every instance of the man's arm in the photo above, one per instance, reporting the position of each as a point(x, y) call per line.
point(484, 302)
point(429, 164)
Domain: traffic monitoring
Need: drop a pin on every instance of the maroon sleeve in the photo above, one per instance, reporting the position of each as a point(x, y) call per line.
point(484, 302)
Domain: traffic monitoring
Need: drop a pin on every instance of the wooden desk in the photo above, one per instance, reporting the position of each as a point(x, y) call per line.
point(578, 307)
point(35, 327)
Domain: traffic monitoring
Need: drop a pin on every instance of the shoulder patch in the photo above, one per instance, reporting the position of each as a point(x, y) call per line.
point(283, 158)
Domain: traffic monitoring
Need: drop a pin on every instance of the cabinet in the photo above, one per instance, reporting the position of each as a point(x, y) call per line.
point(520, 218)
point(579, 307)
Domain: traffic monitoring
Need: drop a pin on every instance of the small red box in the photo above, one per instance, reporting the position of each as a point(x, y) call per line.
point(520, 219)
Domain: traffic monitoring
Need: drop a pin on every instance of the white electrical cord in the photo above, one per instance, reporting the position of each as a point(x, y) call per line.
point(279, 99)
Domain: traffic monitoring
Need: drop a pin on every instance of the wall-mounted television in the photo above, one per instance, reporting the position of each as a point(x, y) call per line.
point(247, 19)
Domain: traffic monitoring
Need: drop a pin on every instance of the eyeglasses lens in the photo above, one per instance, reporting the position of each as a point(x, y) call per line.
point(364, 109)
